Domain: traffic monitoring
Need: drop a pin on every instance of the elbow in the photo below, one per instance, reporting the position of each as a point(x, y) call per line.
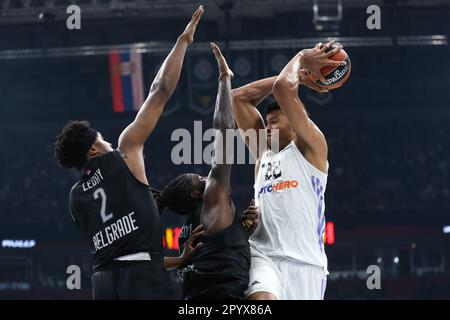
point(237, 95)
point(161, 89)
point(235, 103)
point(279, 87)
point(242, 95)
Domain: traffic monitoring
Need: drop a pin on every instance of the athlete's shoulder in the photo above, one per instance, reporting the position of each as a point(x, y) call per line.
point(72, 201)
point(317, 130)
point(73, 189)
point(112, 160)
point(75, 185)
point(303, 159)
point(113, 155)
point(73, 197)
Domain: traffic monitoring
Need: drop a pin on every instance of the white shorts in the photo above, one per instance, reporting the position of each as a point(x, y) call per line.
point(286, 279)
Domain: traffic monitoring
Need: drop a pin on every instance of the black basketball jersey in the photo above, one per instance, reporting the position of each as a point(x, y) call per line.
point(221, 265)
point(115, 211)
point(192, 221)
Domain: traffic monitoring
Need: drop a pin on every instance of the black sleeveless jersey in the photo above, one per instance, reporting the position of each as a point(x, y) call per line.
point(192, 221)
point(116, 212)
point(220, 269)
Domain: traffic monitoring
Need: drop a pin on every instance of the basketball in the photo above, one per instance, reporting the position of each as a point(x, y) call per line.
point(217, 153)
point(335, 76)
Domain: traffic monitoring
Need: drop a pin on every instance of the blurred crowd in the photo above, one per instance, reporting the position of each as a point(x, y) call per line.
point(376, 165)
point(382, 165)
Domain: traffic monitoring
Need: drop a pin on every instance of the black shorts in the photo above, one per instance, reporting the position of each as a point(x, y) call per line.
point(217, 290)
point(232, 291)
point(135, 280)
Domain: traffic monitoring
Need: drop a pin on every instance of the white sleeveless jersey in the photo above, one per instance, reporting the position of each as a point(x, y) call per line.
point(289, 192)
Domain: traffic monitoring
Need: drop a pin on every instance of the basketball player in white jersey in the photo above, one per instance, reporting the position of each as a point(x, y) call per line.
point(287, 250)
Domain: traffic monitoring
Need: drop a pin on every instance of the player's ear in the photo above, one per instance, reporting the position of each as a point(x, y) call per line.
point(196, 194)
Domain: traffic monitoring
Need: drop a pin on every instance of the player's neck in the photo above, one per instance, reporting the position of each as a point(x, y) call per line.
point(281, 147)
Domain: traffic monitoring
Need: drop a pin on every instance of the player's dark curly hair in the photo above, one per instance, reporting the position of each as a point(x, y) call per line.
point(68, 146)
point(177, 196)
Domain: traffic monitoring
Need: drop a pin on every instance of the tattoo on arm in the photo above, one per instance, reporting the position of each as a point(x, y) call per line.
point(223, 122)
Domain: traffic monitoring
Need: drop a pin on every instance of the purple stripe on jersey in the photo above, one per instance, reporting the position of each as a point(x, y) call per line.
point(319, 191)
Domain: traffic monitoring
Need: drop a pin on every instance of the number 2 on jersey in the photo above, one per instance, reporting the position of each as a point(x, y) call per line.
point(101, 193)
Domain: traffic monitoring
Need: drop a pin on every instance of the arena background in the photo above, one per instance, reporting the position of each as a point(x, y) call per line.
point(388, 195)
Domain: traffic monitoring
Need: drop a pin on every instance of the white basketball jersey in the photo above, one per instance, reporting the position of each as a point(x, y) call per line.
point(289, 192)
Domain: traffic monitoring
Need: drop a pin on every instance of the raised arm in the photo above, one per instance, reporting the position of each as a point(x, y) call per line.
point(309, 138)
point(223, 121)
point(161, 89)
point(217, 210)
point(245, 100)
point(132, 139)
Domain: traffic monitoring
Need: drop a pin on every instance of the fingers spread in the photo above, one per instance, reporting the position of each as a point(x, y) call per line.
point(326, 46)
point(198, 245)
point(322, 50)
point(303, 76)
point(198, 228)
point(334, 51)
point(250, 215)
point(329, 44)
point(336, 63)
point(194, 236)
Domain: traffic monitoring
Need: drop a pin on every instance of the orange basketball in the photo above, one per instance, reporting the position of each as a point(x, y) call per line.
point(335, 76)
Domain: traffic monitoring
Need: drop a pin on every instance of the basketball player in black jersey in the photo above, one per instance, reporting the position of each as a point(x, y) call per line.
point(112, 202)
point(219, 270)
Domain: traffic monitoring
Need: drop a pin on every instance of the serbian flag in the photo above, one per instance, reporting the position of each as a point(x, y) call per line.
point(125, 68)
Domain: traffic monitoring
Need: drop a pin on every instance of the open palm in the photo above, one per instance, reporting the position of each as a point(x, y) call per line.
point(188, 33)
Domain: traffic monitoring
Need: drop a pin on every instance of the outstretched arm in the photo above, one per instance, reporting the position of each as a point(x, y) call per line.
point(223, 121)
point(245, 100)
point(132, 139)
point(161, 90)
point(217, 212)
point(309, 138)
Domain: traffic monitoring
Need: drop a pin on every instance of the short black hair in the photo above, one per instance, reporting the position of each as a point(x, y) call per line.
point(68, 146)
point(177, 195)
point(269, 104)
